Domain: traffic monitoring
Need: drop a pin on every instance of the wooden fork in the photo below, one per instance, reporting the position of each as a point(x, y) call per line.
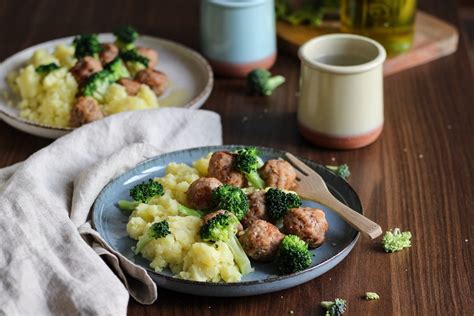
point(312, 187)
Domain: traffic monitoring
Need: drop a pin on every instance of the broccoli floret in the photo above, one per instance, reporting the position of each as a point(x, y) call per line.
point(145, 191)
point(141, 193)
point(230, 198)
point(134, 61)
point(223, 227)
point(396, 240)
point(293, 255)
point(334, 308)
point(341, 170)
point(278, 202)
point(248, 161)
point(261, 82)
point(86, 45)
point(370, 296)
point(97, 84)
point(126, 37)
point(117, 70)
point(45, 69)
point(155, 231)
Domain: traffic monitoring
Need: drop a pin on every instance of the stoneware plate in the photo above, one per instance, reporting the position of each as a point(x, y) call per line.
point(191, 80)
point(110, 222)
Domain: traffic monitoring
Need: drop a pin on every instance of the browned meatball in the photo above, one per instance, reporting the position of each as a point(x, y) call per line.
point(131, 86)
point(109, 52)
point(257, 209)
point(85, 110)
point(155, 79)
point(279, 174)
point(307, 223)
point(149, 53)
point(261, 240)
point(199, 194)
point(221, 166)
point(84, 68)
point(208, 216)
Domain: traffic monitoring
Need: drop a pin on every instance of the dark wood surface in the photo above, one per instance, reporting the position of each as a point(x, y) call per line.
point(417, 176)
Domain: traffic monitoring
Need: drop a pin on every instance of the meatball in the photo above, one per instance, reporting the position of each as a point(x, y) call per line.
point(109, 52)
point(257, 209)
point(85, 110)
point(208, 216)
point(279, 174)
point(307, 223)
point(199, 194)
point(131, 86)
point(261, 240)
point(221, 166)
point(84, 68)
point(155, 79)
point(149, 53)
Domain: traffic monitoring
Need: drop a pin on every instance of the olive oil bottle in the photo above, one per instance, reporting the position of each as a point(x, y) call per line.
point(390, 22)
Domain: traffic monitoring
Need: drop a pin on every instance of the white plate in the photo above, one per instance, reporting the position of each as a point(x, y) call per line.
point(191, 80)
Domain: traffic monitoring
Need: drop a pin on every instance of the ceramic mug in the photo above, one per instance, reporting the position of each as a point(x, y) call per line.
point(341, 91)
point(238, 35)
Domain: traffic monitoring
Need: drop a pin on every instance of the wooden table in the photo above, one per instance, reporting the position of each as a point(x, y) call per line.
point(417, 176)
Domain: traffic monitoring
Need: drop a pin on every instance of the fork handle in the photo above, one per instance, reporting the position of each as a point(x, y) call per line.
point(355, 219)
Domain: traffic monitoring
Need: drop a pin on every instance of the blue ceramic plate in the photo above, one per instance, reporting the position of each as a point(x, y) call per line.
point(111, 223)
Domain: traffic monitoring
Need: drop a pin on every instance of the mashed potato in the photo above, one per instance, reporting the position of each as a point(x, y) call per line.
point(48, 99)
point(182, 251)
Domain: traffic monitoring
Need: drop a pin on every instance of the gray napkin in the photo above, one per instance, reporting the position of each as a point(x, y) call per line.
point(51, 259)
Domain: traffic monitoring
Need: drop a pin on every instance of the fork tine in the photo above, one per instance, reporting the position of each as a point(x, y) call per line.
point(301, 165)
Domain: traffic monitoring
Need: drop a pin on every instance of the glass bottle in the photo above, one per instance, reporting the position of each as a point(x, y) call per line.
point(390, 22)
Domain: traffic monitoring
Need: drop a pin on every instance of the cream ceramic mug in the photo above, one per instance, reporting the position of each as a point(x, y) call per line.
point(341, 91)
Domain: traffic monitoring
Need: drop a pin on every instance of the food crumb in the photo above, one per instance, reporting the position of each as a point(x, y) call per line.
point(209, 307)
point(281, 296)
point(330, 279)
point(420, 156)
point(333, 159)
point(466, 240)
point(450, 126)
point(292, 312)
point(406, 270)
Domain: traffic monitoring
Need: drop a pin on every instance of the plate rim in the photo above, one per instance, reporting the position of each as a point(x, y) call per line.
point(195, 103)
point(272, 278)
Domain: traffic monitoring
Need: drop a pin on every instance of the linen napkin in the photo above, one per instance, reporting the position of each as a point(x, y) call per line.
point(51, 259)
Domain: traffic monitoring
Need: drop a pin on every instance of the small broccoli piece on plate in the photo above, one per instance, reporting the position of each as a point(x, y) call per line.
point(155, 231)
point(134, 60)
point(223, 227)
point(278, 203)
point(126, 37)
point(395, 240)
point(334, 308)
point(370, 296)
point(247, 160)
point(232, 199)
point(293, 255)
point(45, 69)
point(341, 170)
point(141, 193)
point(86, 45)
point(97, 84)
point(186, 211)
point(117, 70)
point(261, 82)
